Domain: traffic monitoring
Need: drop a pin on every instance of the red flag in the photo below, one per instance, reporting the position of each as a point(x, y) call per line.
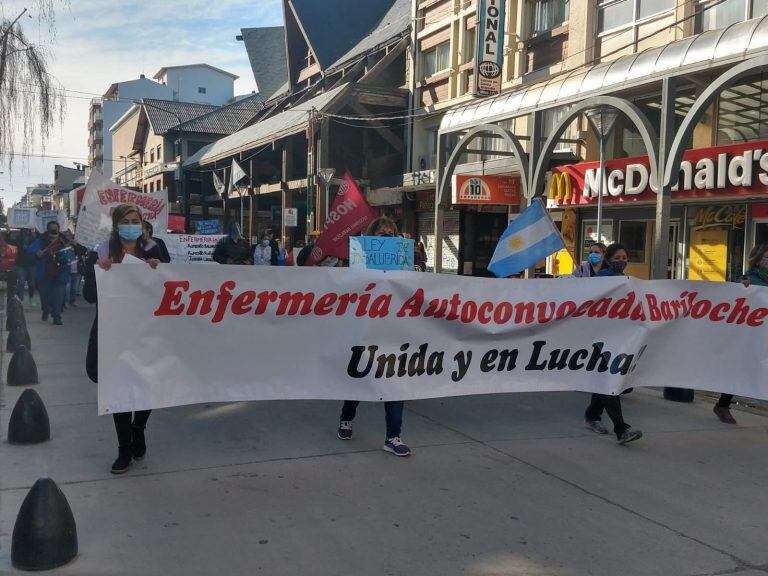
point(349, 214)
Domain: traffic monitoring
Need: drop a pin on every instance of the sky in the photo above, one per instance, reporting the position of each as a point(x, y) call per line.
point(99, 42)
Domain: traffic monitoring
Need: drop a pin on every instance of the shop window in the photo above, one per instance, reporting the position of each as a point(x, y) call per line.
point(634, 238)
point(614, 15)
point(716, 242)
point(742, 112)
point(548, 14)
point(436, 59)
point(717, 14)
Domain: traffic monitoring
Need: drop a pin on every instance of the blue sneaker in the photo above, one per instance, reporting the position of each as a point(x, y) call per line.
point(396, 447)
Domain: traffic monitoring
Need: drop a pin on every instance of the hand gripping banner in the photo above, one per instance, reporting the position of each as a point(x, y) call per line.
point(186, 334)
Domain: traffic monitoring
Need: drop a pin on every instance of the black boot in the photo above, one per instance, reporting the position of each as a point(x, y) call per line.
point(123, 461)
point(139, 443)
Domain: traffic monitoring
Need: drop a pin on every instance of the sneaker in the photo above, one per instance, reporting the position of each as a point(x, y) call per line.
point(345, 430)
point(630, 435)
point(123, 462)
point(596, 426)
point(139, 443)
point(44, 317)
point(724, 414)
point(58, 322)
point(396, 446)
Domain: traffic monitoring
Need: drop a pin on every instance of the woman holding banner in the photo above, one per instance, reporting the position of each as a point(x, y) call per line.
point(126, 240)
point(615, 262)
point(594, 262)
point(757, 275)
point(382, 226)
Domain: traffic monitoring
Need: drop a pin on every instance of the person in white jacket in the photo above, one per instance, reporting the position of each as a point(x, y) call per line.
point(262, 254)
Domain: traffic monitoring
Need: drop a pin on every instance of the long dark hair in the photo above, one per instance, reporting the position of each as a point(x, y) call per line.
point(610, 252)
point(756, 254)
point(115, 244)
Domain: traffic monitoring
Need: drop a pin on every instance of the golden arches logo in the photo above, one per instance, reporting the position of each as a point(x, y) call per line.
point(560, 188)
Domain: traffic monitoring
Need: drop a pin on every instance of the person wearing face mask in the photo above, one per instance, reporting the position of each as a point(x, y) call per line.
point(594, 262)
point(232, 248)
point(757, 275)
point(304, 253)
point(262, 254)
point(52, 276)
point(126, 239)
point(149, 239)
point(616, 258)
point(382, 226)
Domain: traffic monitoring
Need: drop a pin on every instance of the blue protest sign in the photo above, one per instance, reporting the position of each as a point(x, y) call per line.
point(380, 253)
point(208, 226)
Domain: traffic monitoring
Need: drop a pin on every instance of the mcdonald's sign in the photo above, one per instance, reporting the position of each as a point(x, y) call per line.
point(560, 189)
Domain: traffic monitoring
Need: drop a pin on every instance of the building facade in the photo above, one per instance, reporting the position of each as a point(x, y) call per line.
point(198, 83)
point(656, 58)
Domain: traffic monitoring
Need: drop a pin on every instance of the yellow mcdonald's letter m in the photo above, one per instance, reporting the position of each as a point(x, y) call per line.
point(560, 187)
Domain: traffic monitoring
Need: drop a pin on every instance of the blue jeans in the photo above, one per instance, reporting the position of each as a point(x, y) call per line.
point(393, 413)
point(74, 287)
point(52, 294)
point(25, 274)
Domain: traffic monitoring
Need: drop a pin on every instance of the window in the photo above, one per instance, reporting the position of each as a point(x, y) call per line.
point(436, 59)
point(470, 45)
point(716, 14)
point(633, 236)
point(612, 15)
point(159, 155)
point(152, 156)
point(201, 90)
point(548, 14)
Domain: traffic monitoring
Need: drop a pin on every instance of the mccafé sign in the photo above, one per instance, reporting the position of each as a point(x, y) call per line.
point(733, 170)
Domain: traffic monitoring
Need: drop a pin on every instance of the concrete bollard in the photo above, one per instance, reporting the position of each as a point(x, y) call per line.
point(29, 422)
point(14, 312)
point(22, 369)
point(18, 336)
point(45, 534)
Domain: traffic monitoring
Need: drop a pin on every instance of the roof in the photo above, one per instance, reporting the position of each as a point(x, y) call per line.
point(395, 22)
point(164, 115)
point(284, 124)
point(691, 54)
point(160, 73)
point(282, 91)
point(227, 119)
point(331, 38)
point(266, 52)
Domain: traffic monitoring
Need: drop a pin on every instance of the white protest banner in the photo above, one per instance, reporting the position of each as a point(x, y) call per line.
point(102, 196)
point(22, 218)
point(188, 248)
point(373, 335)
point(44, 216)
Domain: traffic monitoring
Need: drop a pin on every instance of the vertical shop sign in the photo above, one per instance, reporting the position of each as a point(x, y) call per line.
point(489, 59)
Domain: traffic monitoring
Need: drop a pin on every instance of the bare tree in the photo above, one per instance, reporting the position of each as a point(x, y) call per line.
point(31, 100)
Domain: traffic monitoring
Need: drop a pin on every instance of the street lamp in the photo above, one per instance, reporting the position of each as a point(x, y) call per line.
point(602, 120)
point(326, 175)
point(187, 207)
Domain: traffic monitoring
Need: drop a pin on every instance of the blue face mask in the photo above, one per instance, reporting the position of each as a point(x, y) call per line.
point(595, 258)
point(129, 231)
point(265, 242)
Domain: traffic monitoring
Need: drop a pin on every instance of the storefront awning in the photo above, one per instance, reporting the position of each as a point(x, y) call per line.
point(292, 121)
point(692, 54)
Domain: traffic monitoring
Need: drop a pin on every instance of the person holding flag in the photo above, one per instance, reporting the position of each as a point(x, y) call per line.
point(528, 239)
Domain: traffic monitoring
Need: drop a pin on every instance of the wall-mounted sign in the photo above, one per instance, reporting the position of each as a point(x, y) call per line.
point(732, 216)
point(722, 171)
point(471, 189)
point(489, 58)
point(291, 217)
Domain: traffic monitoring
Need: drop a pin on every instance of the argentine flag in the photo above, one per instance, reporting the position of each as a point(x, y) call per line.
point(531, 237)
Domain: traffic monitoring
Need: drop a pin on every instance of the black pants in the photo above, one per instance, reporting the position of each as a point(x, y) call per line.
point(725, 401)
point(612, 405)
point(124, 421)
point(393, 412)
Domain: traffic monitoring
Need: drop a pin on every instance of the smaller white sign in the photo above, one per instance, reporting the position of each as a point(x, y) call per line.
point(45, 216)
point(291, 217)
point(190, 248)
point(22, 218)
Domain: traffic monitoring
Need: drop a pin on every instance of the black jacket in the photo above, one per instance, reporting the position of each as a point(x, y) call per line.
point(229, 252)
point(90, 295)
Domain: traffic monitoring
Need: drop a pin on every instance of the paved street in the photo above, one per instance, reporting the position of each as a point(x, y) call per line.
point(497, 485)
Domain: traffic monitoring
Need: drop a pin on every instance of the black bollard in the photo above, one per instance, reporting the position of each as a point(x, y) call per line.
point(18, 336)
point(14, 312)
point(678, 394)
point(29, 422)
point(22, 369)
point(45, 535)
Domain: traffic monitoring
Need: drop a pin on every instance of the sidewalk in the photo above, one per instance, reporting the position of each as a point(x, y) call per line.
point(498, 485)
